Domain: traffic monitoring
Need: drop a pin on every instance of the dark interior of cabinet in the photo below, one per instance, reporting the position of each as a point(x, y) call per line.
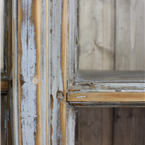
point(1, 120)
point(110, 126)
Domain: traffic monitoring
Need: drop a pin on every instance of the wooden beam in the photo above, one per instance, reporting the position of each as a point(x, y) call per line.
point(106, 97)
point(30, 72)
point(64, 72)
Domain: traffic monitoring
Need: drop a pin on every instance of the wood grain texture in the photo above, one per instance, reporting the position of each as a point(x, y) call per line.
point(94, 126)
point(107, 97)
point(130, 46)
point(32, 61)
point(111, 35)
point(4, 86)
point(129, 126)
point(96, 34)
point(122, 126)
point(64, 71)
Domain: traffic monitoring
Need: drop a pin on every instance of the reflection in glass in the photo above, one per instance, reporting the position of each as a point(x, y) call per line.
point(111, 34)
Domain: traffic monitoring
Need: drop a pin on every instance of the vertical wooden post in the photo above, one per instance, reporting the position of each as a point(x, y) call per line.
point(39, 74)
point(30, 71)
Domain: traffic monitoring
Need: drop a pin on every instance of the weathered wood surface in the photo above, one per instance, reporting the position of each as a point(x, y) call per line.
point(39, 100)
point(1, 35)
point(32, 66)
point(130, 28)
point(111, 34)
point(129, 126)
point(4, 86)
point(94, 126)
point(107, 97)
point(114, 126)
point(96, 34)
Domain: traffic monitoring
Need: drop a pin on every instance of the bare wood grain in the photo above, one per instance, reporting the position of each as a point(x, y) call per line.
point(95, 126)
point(64, 71)
point(111, 35)
point(96, 34)
point(129, 126)
point(130, 48)
point(107, 97)
point(4, 86)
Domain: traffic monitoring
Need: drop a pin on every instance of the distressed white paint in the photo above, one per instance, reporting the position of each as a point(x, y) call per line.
point(30, 81)
point(1, 34)
point(55, 81)
point(71, 40)
point(43, 74)
point(108, 87)
point(28, 70)
point(70, 125)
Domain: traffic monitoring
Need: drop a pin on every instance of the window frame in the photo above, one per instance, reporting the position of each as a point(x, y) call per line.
point(54, 81)
point(79, 86)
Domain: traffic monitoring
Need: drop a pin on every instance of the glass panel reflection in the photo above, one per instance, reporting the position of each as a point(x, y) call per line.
point(111, 35)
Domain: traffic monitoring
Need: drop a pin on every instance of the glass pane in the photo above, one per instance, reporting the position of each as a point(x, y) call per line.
point(1, 35)
point(1, 120)
point(110, 126)
point(111, 35)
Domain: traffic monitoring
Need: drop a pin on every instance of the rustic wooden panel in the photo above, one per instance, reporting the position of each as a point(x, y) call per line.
point(111, 34)
point(130, 46)
point(96, 34)
point(94, 126)
point(1, 120)
point(115, 126)
point(129, 126)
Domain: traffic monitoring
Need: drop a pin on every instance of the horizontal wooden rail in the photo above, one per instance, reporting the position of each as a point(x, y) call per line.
point(4, 86)
point(107, 97)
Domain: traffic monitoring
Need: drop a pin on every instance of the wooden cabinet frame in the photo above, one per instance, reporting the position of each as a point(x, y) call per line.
point(6, 73)
point(46, 86)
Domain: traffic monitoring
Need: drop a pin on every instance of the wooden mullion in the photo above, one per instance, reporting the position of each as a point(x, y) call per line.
point(107, 97)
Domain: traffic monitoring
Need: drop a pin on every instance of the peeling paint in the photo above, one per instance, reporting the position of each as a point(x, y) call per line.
point(70, 140)
point(55, 82)
point(28, 59)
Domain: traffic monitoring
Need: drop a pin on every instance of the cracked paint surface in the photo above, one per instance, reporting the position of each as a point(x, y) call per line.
point(28, 70)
